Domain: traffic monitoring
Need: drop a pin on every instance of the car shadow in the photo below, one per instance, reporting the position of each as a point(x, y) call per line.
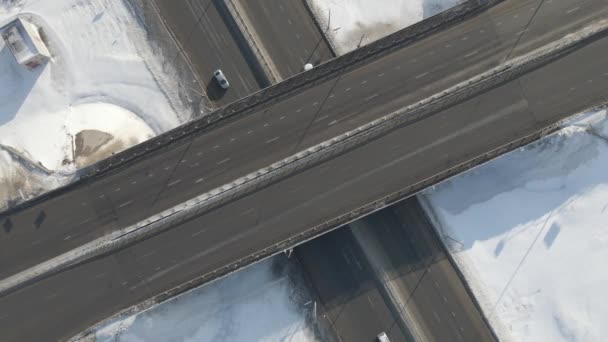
point(16, 83)
point(214, 91)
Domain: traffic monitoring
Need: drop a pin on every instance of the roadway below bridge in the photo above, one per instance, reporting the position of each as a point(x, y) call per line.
point(91, 291)
point(389, 272)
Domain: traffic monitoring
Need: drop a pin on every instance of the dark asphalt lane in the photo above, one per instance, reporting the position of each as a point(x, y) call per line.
point(183, 170)
point(346, 288)
point(66, 303)
point(289, 33)
point(207, 36)
point(420, 272)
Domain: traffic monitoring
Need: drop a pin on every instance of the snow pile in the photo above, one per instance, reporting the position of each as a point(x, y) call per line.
point(350, 23)
point(103, 76)
point(254, 304)
point(530, 232)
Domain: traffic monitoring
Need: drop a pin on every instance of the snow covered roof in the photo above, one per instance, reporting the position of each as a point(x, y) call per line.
point(23, 40)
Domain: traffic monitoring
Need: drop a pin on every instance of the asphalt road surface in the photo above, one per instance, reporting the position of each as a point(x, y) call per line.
point(354, 300)
point(66, 303)
point(289, 33)
point(347, 290)
point(187, 169)
point(209, 37)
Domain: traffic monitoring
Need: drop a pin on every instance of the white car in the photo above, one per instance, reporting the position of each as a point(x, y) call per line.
point(221, 79)
point(382, 337)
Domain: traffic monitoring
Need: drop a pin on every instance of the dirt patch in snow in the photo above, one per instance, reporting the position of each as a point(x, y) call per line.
point(101, 151)
point(90, 141)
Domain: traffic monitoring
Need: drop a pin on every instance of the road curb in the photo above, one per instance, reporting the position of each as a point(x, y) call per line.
point(255, 44)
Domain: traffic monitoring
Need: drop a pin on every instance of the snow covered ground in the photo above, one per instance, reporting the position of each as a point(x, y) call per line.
point(349, 22)
point(103, 77)
point(530, 232)
point(258, 303)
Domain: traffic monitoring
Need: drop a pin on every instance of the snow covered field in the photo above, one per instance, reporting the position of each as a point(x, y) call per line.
point(103, 78)
point(349, 22)
point(530, 233)
point(258, 303)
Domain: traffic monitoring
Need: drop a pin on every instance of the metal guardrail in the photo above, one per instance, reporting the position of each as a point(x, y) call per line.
point(324, 151)
point(269, 95)
point(500, 75)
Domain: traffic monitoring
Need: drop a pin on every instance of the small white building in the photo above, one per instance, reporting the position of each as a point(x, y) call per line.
point(23, 39)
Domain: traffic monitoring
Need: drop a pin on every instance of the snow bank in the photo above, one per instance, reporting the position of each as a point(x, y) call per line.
point(530, 232)
point(254, 304)
point(103, 76)
point(353, 22)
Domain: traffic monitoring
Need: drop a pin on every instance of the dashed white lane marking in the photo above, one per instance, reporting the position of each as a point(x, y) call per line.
point(380, 74)
point(347, 89)
point(175, 182)
point(147, 254)
point(125, 204)
point(447, 46)
point(421, 75)
point(117, 190)
point(298, 36)
point(315, 103)
point(465, 38)
point(232, 139)
point(199, 153)
point(321, 118)
point(331, 96)
point(281, 118)
point(298, 110)
point(436, 317)
point(272, 140)
point(289, 21)
point(573, 10)
point(134, 182)
point(195, 164)
point(67, 238)
point(216, 147)
point(250, 210)
point(51, 296)
point(199, 180)
point(333, 122)
point(266, 124)
point(167, 168)
point(364, 82)
point(100, 275)
point(84, 221)
point(371, 97)
point(197, 233)
point(249, 132)
point(222, 161)
point(471, 54)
